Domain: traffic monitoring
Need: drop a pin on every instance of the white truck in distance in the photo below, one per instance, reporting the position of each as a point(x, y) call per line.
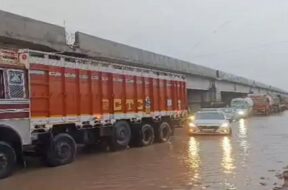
point(243, 107)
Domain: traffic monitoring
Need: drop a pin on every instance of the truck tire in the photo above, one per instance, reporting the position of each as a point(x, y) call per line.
point(146, 136)
point(164, 132)
point(121, 136)
point(7, 159)
point(61, 150)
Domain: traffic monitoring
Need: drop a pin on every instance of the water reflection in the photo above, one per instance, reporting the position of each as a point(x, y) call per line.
point(242, 129)
point(242, 135)
point(227, 160)
point(194, 157)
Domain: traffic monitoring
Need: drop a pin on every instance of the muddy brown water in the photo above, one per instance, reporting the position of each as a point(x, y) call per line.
point(248, 160)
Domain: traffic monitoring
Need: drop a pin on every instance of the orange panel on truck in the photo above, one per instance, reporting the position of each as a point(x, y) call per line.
point(59, 91)
point(119, 101)
point(169, 97)
point(162, 95)
point(140, 93)
point(56, 92)
point(71, 92)
point(148, 94)
point(174, 94)
point(130, 91)
point(96, 92)
point(105, 93)
point(39, 90)
point(84, 89)
point(155, 97)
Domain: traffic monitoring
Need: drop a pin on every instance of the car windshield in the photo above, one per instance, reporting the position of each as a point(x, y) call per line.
point(210, 116)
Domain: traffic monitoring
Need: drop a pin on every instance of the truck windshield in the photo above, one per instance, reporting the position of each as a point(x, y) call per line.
point(239, 104)
point(210, 116)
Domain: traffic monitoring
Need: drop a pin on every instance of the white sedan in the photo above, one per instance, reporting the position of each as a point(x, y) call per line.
point(209, 122)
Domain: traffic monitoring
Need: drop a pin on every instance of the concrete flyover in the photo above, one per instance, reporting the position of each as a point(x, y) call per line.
point(203, 84)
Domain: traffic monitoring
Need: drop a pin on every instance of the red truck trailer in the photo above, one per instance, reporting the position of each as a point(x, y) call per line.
point(49, 103)
point(262, 104)
point(276, 103)
point(283, 102)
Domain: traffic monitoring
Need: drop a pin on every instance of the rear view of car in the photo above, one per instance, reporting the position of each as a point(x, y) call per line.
point(209, 122)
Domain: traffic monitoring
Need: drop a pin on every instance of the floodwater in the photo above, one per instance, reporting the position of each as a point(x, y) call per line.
point(248, 160)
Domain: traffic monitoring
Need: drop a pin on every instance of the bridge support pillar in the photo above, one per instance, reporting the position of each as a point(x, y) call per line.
point(213, 95)
point(202, 98)
point(195, 99)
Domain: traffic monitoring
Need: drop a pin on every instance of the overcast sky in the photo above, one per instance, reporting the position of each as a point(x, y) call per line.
point(244, 37)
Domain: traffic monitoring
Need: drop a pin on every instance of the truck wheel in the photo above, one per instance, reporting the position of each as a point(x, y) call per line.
point(7, 159)
point(164, 132)
point(121, 136)
point(147, 135)
point(62, 150)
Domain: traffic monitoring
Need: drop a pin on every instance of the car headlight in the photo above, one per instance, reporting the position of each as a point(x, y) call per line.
point(192, 125)
point(225, 125)
point(241, 112)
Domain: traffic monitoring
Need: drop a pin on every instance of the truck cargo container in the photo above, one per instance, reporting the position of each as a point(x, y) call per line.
point(276, 107)
point(283, 102)
point(262, 104)
point(50, 102)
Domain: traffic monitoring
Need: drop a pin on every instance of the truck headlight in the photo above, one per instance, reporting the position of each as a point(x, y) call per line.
point(192, 125)
point(192, 118)
point(241, 112)
point(225, 125)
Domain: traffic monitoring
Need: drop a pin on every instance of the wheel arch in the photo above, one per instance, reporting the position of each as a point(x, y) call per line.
point(11, 136)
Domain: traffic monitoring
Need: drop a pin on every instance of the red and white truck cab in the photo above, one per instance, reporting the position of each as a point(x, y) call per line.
point(14, 110)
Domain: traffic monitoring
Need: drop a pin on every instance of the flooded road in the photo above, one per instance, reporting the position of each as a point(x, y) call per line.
point(248, 160)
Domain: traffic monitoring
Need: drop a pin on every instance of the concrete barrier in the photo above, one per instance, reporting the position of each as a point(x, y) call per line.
point(101, 47)
point(15, 27)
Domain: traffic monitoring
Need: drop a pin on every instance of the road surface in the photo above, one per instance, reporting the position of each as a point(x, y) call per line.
point(248, 160)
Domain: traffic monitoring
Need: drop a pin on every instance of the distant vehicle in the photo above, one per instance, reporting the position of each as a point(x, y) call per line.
point(209, 122)
point(229, 112)
point(275, 103)
point(283, 103)
point(262, 104)
point(243, 107)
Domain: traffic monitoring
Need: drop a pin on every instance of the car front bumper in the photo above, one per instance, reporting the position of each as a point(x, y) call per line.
point(196, 131)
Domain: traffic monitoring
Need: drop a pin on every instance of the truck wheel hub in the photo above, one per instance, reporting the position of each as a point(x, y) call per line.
point(63, 150)
point(147, 135)
point(122, 135)
point(165, 131)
